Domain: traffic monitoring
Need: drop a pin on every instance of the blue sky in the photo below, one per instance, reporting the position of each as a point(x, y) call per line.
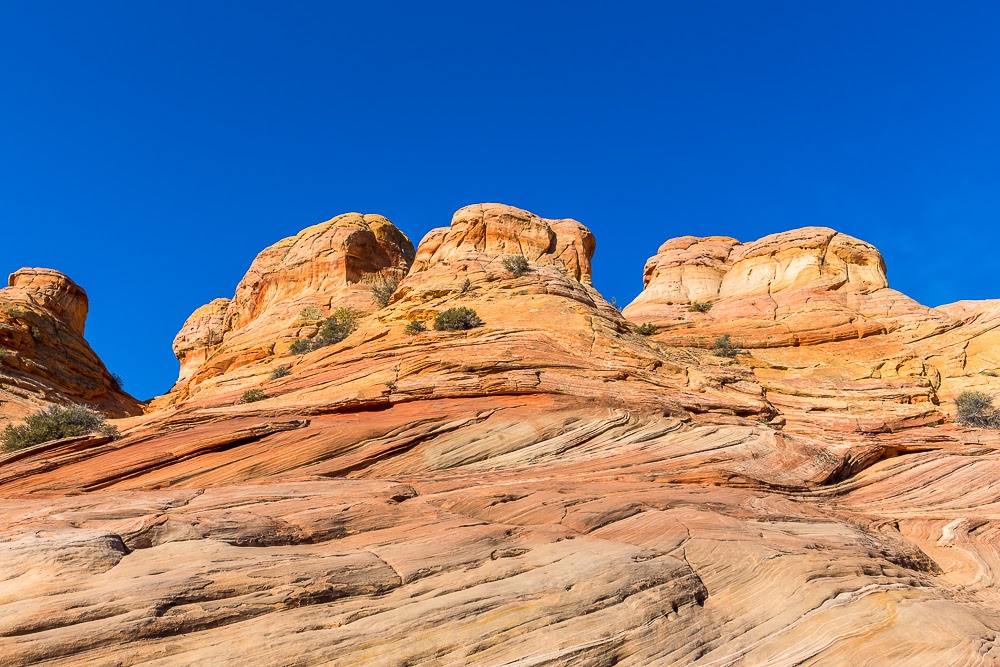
point(150, 150)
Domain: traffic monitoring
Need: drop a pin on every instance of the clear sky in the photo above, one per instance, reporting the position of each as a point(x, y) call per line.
point(150, 150)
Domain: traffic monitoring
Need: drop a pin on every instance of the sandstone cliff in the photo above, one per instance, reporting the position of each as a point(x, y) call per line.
point(550, 488)
point(289, 287)
point(44, 358)
point(804, 287)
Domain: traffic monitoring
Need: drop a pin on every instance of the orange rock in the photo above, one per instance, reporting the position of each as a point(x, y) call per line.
point(804, 287)
point(289, 287)
point(548, 488)
point(44, 358)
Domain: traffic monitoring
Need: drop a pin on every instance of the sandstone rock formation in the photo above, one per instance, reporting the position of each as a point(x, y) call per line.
point(551, 488)
point(804, 287)
point(44, 358)
point(827, 339)
point(323, 267)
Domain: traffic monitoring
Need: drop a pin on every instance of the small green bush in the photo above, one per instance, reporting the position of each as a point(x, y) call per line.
point(310, 313)
point(516, 265)
point(252, 396)
point(725, 347)
point(333, 330)
point(700, 307)
point(975, 410)
point(991, 372)
point(53, 423)
point(457, 319)
point(383, 287)
point(646, 329)
point(415, 327)
point(284, 370)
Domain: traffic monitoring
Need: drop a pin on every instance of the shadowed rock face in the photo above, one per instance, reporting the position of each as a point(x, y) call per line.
point(44, 358)
point(550, 488)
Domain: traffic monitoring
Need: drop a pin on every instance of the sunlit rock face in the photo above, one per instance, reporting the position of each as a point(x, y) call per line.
point(44, 358)
point(551, 487)
point(803, 287)
point(288, 289)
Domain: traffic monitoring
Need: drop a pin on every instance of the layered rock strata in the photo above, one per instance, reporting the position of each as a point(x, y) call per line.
point(803, 287)
point(287, 291)
point(549, 488)
point(44, 358)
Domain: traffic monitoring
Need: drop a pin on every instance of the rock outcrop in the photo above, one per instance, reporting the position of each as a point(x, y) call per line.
point(44, 357)
point(804, 287)
point(551, 487)
point(289, 287)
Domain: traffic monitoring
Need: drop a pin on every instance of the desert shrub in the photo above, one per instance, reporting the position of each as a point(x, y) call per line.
point(310, 313)
point(334, 329)
point(725, 347)
point(415, 327)
point(991, 372)
point(53, 423)
point(284, 370)
point(456, 319)
point(466, 286)
point(252, 396)
point(382, 288)
point(700, 307)
point(116, 382)
point(516, 265)
point(646, 329)
point(975, 409)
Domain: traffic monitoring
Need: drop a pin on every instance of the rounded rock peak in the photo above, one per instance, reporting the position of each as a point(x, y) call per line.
point(318, 263)
point(690, 268)
point(808, 257)
point(54, 291)
point(499, 229)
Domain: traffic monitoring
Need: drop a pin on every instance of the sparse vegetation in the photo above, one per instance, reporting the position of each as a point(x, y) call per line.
point(466, 286)
point(415, 327)
point(516, 265)
point(116, 382)
point(383, 286)
point(252, 396)
point(284, 370)
point(457, 319)
point(725, 347)
point(991, 372)
point(700, 307)
point(334, 329)
point(975, 410)
point(646, 329)
point(53, 423)
point(310, 313)
point(392, 384)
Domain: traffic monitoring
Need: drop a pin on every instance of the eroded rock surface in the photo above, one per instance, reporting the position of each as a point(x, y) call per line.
point(44, 357)
point(803, 287)
point(288, 289)
point(551, 488)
